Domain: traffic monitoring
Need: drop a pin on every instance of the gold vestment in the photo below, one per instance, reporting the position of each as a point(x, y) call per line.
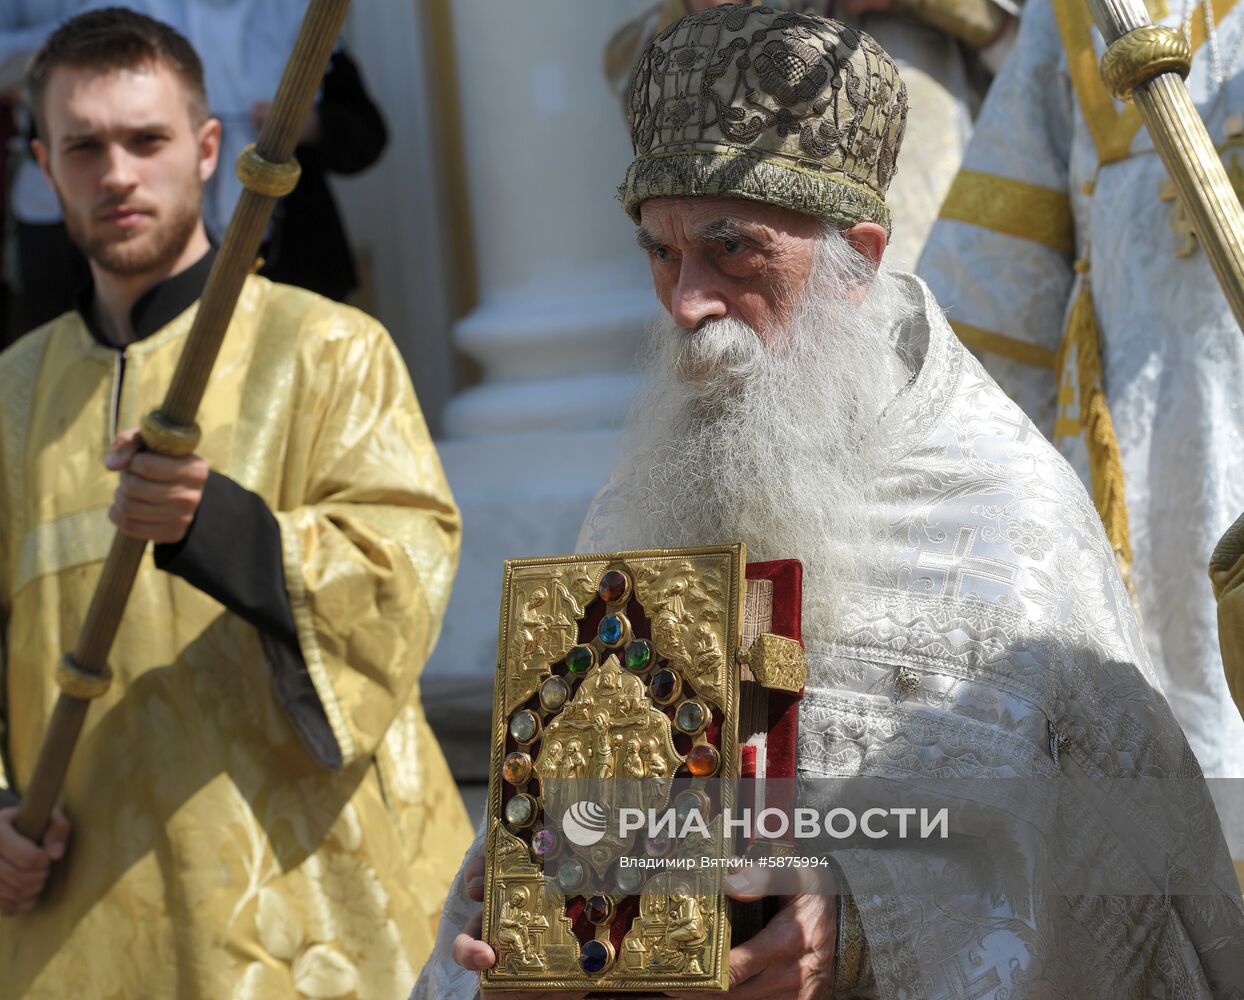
point(213, 855)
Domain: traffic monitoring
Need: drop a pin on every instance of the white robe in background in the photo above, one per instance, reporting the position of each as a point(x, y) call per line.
point(1061, 217)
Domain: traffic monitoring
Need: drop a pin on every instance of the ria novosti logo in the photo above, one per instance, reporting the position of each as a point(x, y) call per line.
point(585, 823)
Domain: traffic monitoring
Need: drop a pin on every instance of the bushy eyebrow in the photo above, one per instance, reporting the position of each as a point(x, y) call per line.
point(720, 231)
point(717, 231)
point(647, 242)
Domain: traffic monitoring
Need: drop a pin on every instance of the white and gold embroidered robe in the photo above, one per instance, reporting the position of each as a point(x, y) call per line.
point(999, 592)
point(1060, 259)
point(212, 856)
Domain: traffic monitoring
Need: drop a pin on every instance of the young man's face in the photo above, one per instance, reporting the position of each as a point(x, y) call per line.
point(127, 162)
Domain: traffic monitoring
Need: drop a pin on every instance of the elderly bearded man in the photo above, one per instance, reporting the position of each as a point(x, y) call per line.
point(963, 614)
point(254, 797)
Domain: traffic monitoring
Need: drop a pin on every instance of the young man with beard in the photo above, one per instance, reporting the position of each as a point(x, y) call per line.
point(252, 799)
point(964, 619)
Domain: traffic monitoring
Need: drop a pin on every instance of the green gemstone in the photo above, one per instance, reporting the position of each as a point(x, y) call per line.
point(580, 659)
point(638, 655)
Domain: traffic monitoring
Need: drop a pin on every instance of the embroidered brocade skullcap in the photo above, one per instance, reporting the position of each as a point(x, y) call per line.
point(784, 108)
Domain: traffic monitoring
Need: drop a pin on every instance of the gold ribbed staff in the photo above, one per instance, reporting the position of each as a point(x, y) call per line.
point(267, 171)
point(1147, 63)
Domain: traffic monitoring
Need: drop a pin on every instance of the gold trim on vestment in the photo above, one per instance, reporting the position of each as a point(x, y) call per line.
point(1113, 127)
point(1013, 208)
point(300, 604)
point(976, 339)
point(1082, 335)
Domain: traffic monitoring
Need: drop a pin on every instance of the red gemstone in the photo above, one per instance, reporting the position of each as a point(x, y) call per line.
point(702, 761)
point(613, 585)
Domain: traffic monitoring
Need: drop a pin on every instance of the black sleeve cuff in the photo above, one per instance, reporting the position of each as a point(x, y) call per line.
point(232, 552)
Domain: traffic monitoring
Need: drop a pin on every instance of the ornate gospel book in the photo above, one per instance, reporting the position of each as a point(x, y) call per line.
point(641, 699)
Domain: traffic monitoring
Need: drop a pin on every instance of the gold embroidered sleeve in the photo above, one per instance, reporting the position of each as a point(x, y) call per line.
point(977, 23)
point(1226, 572)
point(851, 952)
point(371, 544)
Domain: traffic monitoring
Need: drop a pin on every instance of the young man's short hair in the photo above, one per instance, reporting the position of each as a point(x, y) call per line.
point(115, 38)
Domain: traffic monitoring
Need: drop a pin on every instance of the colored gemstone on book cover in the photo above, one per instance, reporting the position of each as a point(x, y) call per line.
point(629, 879)
point(703, 761)
point(524, 726)
point(598, 909)
point(613, 586)
point(580, 659)
point(520, 811)
point(594, 957)
point(665, 686)
point(688, 802)
point(570, 876)
point(553, 694)
point(638, 656)
point(691, 717)
point(657, 845)
point(516, 768)
point(543, 843)
point(612, 629)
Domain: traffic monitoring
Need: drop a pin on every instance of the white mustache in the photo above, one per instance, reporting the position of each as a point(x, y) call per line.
point(735, 439)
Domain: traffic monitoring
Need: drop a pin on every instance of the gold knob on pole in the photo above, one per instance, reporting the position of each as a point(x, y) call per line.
point(1140, 55)
point(78, 682)
point(273, 180)
point(164, 437)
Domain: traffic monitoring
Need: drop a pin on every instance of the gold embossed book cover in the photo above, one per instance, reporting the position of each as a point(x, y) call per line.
point(617, 703)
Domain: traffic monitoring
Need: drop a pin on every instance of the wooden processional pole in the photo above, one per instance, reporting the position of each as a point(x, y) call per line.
point(267, 171)
point(1146, 63)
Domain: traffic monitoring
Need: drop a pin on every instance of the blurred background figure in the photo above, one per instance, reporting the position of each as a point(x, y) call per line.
point(947, 51)
point(1064, 260)
point(245, 44)
point(307, 245)
point(46, 268)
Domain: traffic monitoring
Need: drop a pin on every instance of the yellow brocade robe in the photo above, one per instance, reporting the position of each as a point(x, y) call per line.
point(212, 855)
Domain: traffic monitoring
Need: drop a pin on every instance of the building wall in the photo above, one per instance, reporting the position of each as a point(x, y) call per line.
point(508, 273)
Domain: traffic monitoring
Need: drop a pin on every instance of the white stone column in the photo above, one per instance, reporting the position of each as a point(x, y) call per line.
point(563, 297)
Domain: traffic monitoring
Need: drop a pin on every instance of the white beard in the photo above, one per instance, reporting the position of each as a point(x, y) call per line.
point(732, 440)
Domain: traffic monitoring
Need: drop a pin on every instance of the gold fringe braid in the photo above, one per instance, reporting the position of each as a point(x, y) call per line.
point(1105, 460)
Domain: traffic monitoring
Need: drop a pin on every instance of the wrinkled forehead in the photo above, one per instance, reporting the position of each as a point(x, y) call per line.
point(673, 219)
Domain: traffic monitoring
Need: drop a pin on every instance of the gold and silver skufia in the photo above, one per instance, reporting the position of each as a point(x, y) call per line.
point(610, 666)
point(783, 108)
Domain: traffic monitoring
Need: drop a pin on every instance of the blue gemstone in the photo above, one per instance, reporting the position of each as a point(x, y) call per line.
point(594, 957)
point(611, 630)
